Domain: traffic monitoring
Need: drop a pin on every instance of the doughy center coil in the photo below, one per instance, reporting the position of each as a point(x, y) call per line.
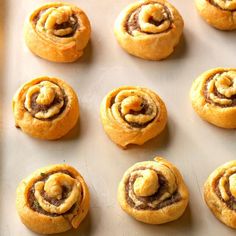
point(150, 18)
point(147, 184)
point(134, 107)
point(52, 17)
point(47, 93)
point(227, 184)
point(225, 84)
point(157, 13)
point(53, 188)
point(226, 4)
point(232, 184)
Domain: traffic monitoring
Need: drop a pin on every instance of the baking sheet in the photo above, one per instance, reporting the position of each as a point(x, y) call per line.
point(193, 145)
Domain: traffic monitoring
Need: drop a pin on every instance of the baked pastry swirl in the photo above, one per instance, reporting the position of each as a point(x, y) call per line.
point(149, 29)
point(220, 193)
point(46, 108)
point(213, 96)
point(153, 192)
point(219, 13)
point(53, 199)
point(57, 32)
point(132, 115)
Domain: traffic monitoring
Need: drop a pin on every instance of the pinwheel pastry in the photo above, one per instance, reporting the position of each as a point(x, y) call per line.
point(132, 115)
point(57, 32)
point(219, 13)
point(153, 192)
point(149, 29)
point(53, 199)
point(46, 108)
point(213, 96)
point(220, 193)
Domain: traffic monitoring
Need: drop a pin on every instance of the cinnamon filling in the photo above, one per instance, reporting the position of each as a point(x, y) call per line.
point(72, 23)
point(133, 24)
point(145, 110)
point(231, 203)
point(212, 2)
point(33, 203)
point(44, 108)
point(219, 95)
point(145, 200)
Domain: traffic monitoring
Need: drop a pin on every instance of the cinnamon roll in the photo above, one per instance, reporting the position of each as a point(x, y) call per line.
point(149, 29)
point(46, 108)
point(221, 14)
point(153, 192)
point(132, 115)
point(57, 32)
point(213, 96)
point(53, 199)
point(220, 193)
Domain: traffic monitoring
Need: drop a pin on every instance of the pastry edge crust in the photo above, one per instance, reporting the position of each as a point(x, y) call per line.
point(216, 17)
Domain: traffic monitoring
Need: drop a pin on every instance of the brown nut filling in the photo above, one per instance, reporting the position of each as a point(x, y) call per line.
point(33, 203)
point(35, 107)
point(163, 186)
point(71, 23)
point(217, 94)
point(133, 23)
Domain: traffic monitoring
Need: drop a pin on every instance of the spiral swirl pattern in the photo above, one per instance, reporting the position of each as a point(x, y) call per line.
point(57, 31)
point(55, 194)
point(152, 187)
point(134, 108)
point(132, 115)
point(226, 187)
point(46, 108)
point(220, 193)
point(221, 89)
point(53, 199)
point(152, 18)
point(229, 5)
point(45, 100)
point(149, 29)
point(153, 192)
point(57, 22)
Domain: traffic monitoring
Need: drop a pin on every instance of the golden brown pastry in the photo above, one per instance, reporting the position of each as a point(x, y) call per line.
point(132, 115)
point(213, 96)
point(46, 108)
point(53, 199)
point(153, 192)
point(149, 29)
point(219, 13)
point(57, 32)
point(220, 193)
